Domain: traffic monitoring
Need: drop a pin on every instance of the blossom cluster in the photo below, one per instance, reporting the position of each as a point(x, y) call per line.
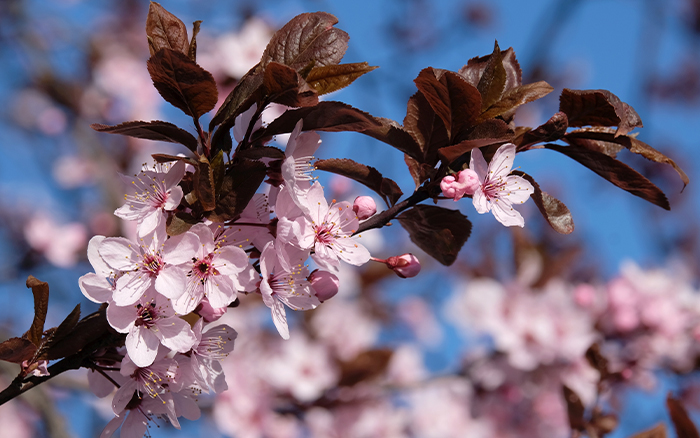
point(162, 289)
point(525, 342)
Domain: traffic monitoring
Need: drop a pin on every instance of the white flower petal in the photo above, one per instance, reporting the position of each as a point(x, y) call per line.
point(119, 253)
point(171, 281)
point(142, 346)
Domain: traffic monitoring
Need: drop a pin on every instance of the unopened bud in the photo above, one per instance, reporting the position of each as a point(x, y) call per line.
point(209, 313)
point(405, 266)
point(461, 183)
point(325, 284)
point(364, 207)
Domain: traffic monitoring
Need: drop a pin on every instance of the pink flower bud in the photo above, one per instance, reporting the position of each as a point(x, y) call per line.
point(364, 207)
point(209, 313)
point(325, 284)
point(405, 266)
point(461, 183)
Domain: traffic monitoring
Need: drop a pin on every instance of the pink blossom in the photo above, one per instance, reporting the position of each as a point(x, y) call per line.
point(301, 367)
point(364, 207)
point(465, 182)
point(280, 287)
point(297, 167)
point(215, 272)
point(149, 323)
point(60, 244)
point(151, 194)
point(153, 381)
point(204, 361)
point(153, 262)
point(498, 190)
point(328, 230)
point(324, 284)
point(133, 419)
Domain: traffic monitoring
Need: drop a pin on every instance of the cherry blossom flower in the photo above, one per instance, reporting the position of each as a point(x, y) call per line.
point(297, 167)
point(204, 361)
point(215, 272)
point(155, 262)
point(498, 190)
point(59, 243)
point(134, 418)
point(280, 287)
point(149, 323)
point(151, 194)
point(152, 381)
point(328, 230)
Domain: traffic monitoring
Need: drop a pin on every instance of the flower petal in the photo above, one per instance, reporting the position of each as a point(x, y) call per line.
point(119, 253)
point(171, 281)
point(130, 287)
point(95, 288)
point(176, 334)
point(507, 215)
point(279, 317)
point(142, 346)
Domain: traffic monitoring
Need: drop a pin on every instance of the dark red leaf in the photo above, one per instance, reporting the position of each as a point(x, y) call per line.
point(453, 99)
point(205, 180)
point(634, 145)
point(333, 116)
point(515, 97)
point(179, 223)
point(681, 421)
point(61, 332)
point(474, 69)
point(452, 153)
point(574, 408)
point(552, 130)
point(369, 176)
point(246, 92)
point(239, 185)
point(257, 153)
point(365, 366)
point(438, 231)
point(608, 148)
point(283, 85)
point(166, 158)
point(492, 82)
point(598, 108)
point(596, 359)
point(40, 290)
point(155, 130)
point(616, 172)
point(17, 350)
point(164, 30)
point(553, 210)
point(88, 330)
point(658, 431)
point(419, 171)
point(192, 50)
point(330, 78)
point(307, 38)
point(182, 83)
point(426, 128)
